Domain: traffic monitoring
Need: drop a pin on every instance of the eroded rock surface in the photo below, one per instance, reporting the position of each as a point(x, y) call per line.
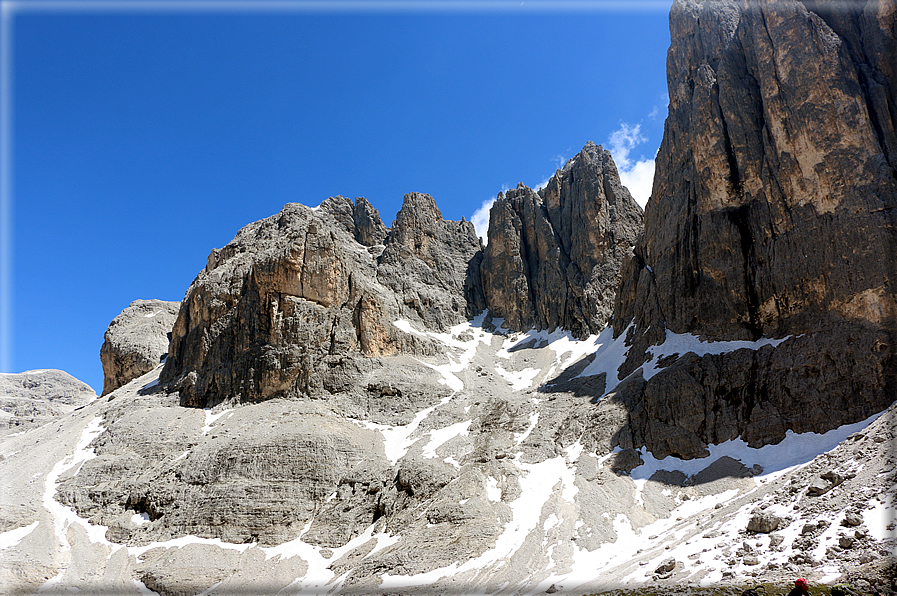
point(554, 256)
point(301, 302)
point(136, 341)
point(772, 215)
point(35, 397)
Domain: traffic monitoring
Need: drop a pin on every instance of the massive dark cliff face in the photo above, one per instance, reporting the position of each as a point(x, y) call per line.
point(554, 256)
point(772, 215)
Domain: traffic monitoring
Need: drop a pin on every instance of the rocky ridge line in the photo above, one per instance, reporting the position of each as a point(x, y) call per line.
point(303, 303)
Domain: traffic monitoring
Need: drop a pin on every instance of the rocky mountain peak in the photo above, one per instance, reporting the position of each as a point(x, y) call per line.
point(360, 219)
point(392, 437)
point(554, 256)
point(299, 303)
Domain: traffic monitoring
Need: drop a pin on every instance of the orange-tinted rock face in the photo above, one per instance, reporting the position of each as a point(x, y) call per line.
point(298, 302)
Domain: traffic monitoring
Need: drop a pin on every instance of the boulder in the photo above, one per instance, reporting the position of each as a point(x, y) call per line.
point(666, 567)
point(764, 523)
point(851, 519)
point(626, 460)
point(136, 341)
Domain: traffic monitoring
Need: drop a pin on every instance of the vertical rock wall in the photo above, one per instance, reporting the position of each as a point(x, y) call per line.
point(554, 256)
point(772, 215)
point(303, 302)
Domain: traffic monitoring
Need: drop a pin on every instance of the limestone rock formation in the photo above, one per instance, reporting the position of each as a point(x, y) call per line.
point(772, 215)
point(35, 397)
point(303, 302)
point(554, 256)
point(136, 341)
point(432, 265)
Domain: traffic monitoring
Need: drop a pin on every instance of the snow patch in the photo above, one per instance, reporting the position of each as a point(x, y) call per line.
point(138, 551)
point(493, 492)
point(64, 516)
point(533, 420)
point(879, 515)
point(683, 343)
point(211, 418)
point(140, 519)
point(397, 439)
point(537, 485)
point(441, 436)
point(610, 354)
point(319, 575)
point(519, 380)
point(13, 537)
point(795, 449)
point(463, 351)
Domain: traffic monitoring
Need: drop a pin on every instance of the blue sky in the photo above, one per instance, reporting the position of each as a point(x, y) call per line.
point(138, 140)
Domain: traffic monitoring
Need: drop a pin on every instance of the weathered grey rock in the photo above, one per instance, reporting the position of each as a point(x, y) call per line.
point(432, 265)
point(667, 566)
point(764, 223)
point(242, 481)
point(851, 519)
point(136, 341)
point(359, 219)
point(764, 523)
point(554, 256)
point(35, 397)
point(626, 460)
point(296, 304)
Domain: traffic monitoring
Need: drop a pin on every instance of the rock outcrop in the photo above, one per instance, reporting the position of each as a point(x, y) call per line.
point(136, 341)
point(35, 397)
point(772, 215)
point(432, 265)
point(303, 302)
point(554, 256)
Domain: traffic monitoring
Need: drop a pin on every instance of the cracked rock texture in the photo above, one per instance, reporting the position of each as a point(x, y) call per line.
point(772, 215)
point(136, 341)
point(35, 397)
point(554, 256)
point(302, 303)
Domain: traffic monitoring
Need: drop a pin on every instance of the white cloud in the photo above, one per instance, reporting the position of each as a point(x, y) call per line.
point(480, 219)
point(639, 180)
point(636, 175)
